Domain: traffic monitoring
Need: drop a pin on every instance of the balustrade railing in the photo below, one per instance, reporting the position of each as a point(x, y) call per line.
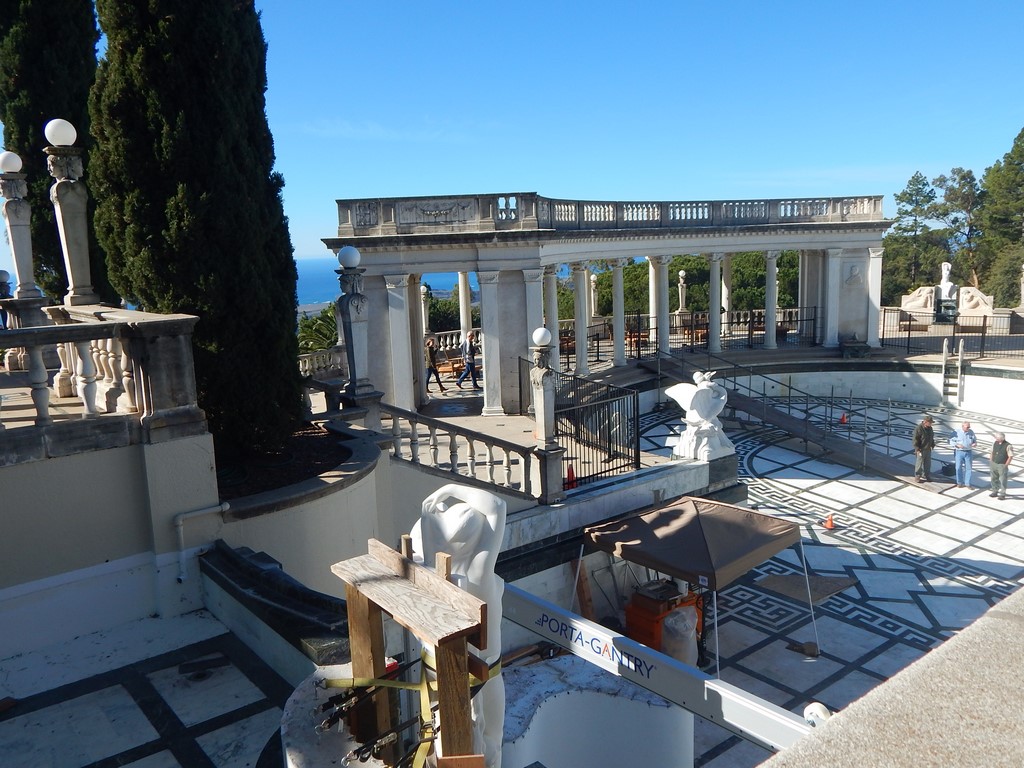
point(531, 211)
point(424, 441)
point(114, 361)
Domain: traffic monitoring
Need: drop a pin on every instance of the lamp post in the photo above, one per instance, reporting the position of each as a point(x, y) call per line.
point(682, 291)
point(26, 309)
point(17, 214)
point(351, 315)
point(70, 199)
point(542, 381)
point(425, 308)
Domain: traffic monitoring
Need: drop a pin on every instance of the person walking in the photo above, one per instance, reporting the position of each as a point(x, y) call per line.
point(469, 350)
point(963, 442)
point(999, 464)
point(430, 358)
point(924, 442)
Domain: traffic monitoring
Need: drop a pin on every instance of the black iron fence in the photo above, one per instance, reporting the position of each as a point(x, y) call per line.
point(688, 331)
point(915, 333)
point(597, 425)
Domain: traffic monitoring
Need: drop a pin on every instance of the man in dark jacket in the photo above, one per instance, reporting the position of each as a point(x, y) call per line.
point(924, 442)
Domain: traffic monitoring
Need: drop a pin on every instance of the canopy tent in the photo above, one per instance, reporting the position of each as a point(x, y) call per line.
point(698, 540)
point(702, 541)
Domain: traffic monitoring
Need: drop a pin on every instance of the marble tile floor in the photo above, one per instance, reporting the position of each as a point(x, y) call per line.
point(929, 559)
point(178, 693)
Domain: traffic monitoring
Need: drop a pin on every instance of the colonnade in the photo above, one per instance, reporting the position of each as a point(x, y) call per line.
point(843, 283)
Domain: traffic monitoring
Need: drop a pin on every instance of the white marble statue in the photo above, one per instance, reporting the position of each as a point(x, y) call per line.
point(704, 438)
point(947, 288)
point(469, 524)
point(923, 298)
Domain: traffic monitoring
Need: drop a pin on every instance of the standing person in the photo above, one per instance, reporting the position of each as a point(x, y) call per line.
point(924, 442)
point(999, 464)
point(963, 442)
point(430, 358)
point(469, 350)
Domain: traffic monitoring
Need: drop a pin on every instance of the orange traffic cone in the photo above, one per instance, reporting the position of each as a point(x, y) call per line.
point(829, 524)
point(570, 479)
point(843, 419)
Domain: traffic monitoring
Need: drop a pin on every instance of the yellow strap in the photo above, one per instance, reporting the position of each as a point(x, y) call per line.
point(366, 682)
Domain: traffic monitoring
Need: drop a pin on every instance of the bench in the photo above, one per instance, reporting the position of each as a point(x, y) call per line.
point(449, 362)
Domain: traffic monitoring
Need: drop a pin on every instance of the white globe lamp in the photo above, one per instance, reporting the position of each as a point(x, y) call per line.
point(541, 337)
point(60, 133)
point(9, 162)
point(349, 257)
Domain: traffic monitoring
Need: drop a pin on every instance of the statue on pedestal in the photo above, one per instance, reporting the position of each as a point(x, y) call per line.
point(704, 438)
point(947, 293)
point(469, 524)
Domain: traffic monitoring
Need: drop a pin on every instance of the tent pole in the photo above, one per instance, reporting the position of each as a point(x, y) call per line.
point(576, 581)
point(810, 601)
point(718, 653)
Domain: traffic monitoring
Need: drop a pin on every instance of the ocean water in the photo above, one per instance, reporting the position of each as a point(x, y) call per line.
point(318, 281)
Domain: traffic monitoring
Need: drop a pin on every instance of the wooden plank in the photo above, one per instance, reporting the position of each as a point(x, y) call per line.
point(461, 761)
point(366, 642)
point(583, 591)
point(430, 618)
point(433, 584)
point(453, 697)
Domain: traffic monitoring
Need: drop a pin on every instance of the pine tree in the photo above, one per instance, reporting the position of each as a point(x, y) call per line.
point(1003, 214)
point(47, 65)
point(189, 208)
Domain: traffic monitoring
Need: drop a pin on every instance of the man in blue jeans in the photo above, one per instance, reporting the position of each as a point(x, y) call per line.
point(963, 441)
point(469, 350)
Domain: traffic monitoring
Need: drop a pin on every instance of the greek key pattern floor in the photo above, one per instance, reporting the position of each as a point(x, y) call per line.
point(928, 559)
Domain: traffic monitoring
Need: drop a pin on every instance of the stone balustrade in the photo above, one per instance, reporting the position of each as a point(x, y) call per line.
point(136, 365)
point(529, 211)
point(424, 441)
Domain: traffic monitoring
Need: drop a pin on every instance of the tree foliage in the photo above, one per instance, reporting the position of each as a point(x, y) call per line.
point(319, 331)
point(1002, 216)
point(189, 207)
point(959, 210)
point(47, 65)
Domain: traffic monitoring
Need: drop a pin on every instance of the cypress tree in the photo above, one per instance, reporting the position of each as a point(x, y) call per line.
point(189, 208)
point(47, 66)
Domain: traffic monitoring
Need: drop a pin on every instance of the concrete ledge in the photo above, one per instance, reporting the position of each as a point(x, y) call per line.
point(959, 705)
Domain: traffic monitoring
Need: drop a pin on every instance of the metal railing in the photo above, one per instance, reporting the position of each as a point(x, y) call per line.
point(999, 335)
point(598, 426)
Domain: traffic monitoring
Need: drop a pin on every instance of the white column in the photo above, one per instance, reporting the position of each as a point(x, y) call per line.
point(400, 325)
point(465, 304)
point(581, 283)
point(70, 203)
point(652, 296)
point(618, 314)
point(593, 296)
point(771, 297)
point(833, 282)
point(715, 304)
point(874, 295)
point(17, 214)
point(491, 347)
point(551, 314)
point(424, 309)
point(661, 303)
point(727, 292)
point(532, 278)
point(422, 319)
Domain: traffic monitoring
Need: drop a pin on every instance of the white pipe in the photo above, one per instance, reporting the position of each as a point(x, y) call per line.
point(179, 527)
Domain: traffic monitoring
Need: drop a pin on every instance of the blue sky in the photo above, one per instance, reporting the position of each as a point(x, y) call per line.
point(621, 101)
